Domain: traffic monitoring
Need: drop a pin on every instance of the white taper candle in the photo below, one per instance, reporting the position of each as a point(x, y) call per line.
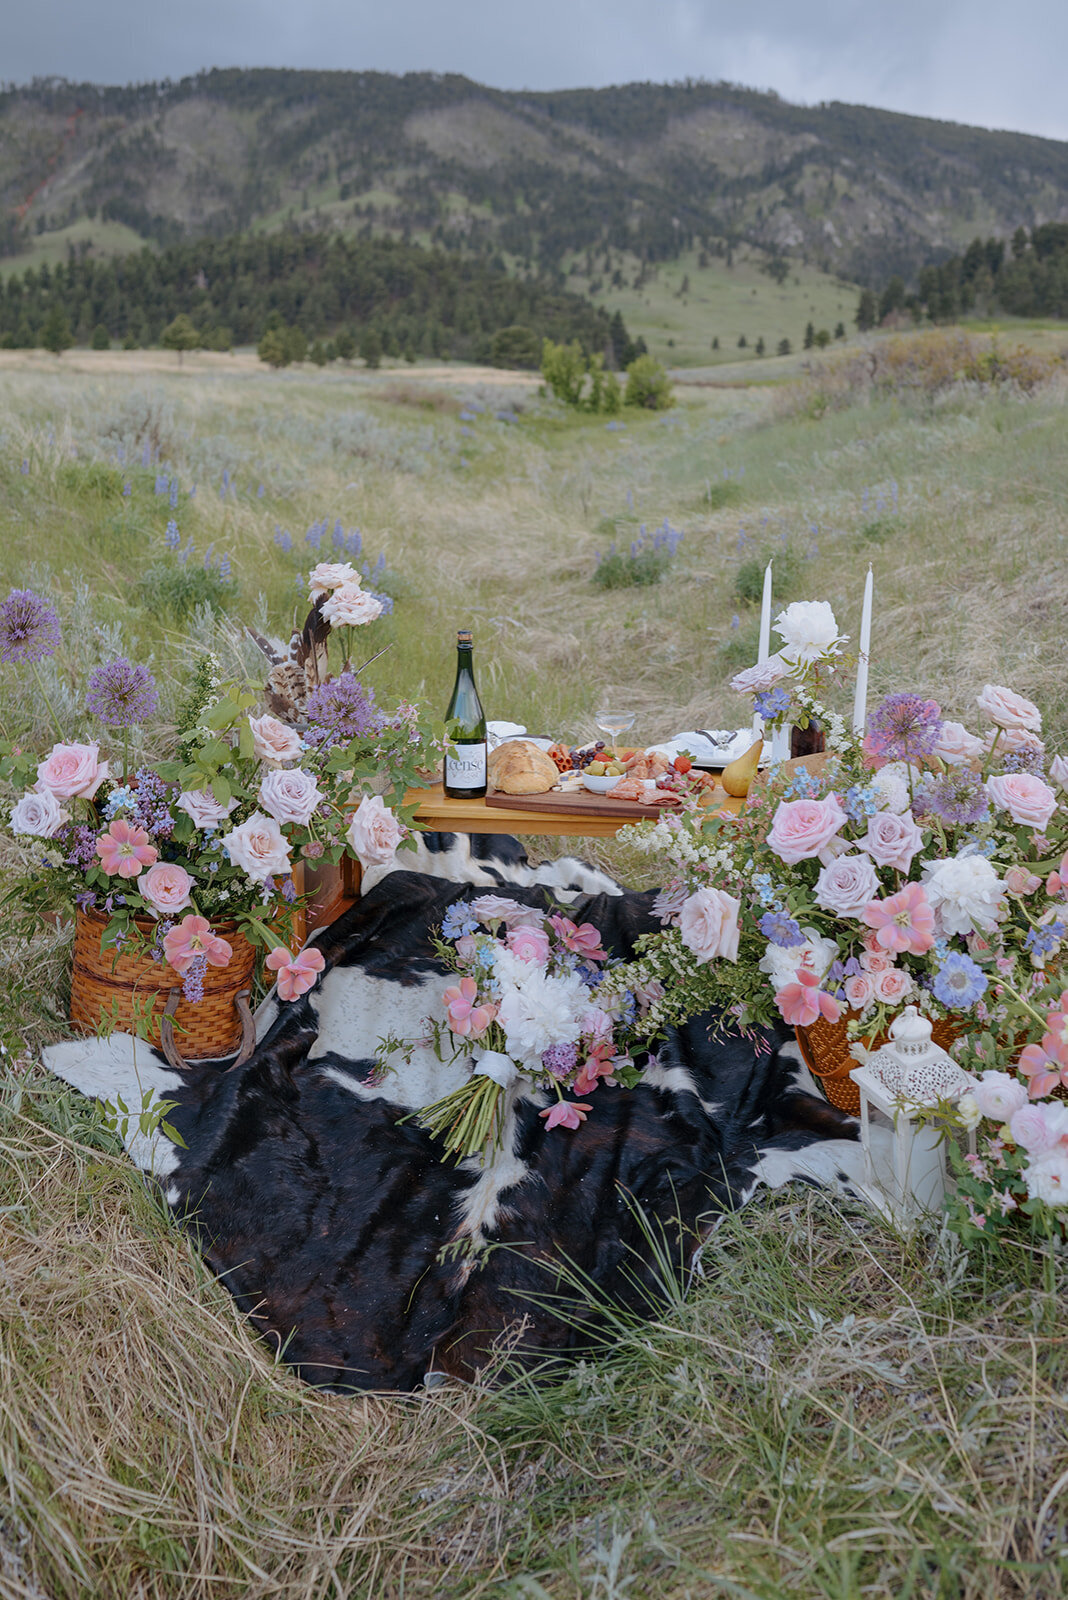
point(860, 699)
point(764, 645)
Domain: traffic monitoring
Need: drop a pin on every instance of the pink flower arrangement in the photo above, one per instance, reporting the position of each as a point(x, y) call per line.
point(295, 974)
point(467, 1018)
point(191, 939)
point(125, 849)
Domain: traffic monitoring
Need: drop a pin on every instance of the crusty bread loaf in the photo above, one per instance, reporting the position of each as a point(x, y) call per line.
point(519, 767)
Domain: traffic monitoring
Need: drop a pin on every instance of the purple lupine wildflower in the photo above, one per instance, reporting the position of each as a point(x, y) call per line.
point(25, 467)
point(354, 544)
point(904, 727)
point(127, 490)
point(172, 538)
point(122, 693)
point(174, 494)
point(29, 627)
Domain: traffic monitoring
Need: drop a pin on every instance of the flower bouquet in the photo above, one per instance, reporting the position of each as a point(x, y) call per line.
point(180, 865)
point(535, 1000)
point(924, 864)
point(786, 688)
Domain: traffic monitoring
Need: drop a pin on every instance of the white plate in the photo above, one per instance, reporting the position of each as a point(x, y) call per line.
point(712, 757)
point(606, 785)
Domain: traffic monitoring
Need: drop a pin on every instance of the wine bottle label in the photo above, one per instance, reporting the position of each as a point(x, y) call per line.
point(467, 768)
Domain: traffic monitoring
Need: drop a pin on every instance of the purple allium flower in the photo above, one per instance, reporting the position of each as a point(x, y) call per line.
point(122, 694)
point(560, 1059)
point(904, 727)
point(781, 929)
point(959, 982)
point(341, 710)
point(958, 798)
point(29, 627)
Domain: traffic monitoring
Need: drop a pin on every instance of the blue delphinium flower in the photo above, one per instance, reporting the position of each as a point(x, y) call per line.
point(774, 703)
point(959, 982)
point(781, 929)
point(458, 920)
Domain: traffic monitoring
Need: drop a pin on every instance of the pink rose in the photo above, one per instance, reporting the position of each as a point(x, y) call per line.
point(1009, 709)
point(892, 986)
point(166, 887)
point(708, 923)
point(1058, 771)
point(859, 991)
point(802, 828)
point(40, 815)
point(330, 575)
point(873, 961)
point(498, 908)
point(1018, 880)
point(289, 794)
point(956, 745)
point(846, 885)
point(1011, 741)
point(998, 1095)
point(374, 833)
point(258, 848)
point(202, 806)
point(1029, 802)
point(892, 840)
point(1041, 1127)
point(755, 680)
point(72, 771)
point(273, 740)
point(350, 606)
point(528, 943)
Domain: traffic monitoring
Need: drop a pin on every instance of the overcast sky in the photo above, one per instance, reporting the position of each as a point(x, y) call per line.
point(990, 62)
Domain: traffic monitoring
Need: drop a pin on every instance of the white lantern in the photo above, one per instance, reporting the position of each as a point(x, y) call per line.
point(907, 1073)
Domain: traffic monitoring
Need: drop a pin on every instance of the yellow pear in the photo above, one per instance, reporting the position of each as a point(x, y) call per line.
point(737, 777)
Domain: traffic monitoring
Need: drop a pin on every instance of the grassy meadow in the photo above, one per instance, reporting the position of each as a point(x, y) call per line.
point(832, 1410)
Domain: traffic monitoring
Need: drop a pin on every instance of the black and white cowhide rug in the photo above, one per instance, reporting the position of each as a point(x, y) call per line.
point(368, 1260)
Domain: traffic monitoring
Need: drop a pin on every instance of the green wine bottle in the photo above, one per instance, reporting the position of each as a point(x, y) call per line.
point(465, 729)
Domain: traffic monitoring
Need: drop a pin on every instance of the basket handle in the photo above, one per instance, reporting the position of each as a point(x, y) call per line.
point(166, 1029)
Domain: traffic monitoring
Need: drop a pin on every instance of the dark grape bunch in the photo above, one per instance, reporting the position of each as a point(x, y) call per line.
point(580, 759)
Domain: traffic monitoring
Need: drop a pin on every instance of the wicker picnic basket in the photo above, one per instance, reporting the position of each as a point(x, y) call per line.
point(825, 1048)
point(130, 991)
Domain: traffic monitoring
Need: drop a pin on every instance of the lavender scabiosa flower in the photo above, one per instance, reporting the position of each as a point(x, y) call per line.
point(781, 929)
point(959, 982)
point(29, 628)
point(122, 694)
point(341, 710)
point(560, 1059)
point(904, 727)
point(958, 798)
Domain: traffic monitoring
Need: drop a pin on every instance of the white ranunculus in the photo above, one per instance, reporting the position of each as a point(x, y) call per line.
point(289, 794)
point(259, 848)
point(350, 607)
point(538, 1010)
point(808, 631)
point(968, 1112)
point(965, 894)
point(782, 965)
point(38, 814)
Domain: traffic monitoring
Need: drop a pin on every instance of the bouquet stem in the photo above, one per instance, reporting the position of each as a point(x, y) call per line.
point(467, 1119)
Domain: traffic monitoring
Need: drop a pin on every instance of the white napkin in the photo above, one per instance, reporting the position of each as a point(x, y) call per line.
point(713, 747)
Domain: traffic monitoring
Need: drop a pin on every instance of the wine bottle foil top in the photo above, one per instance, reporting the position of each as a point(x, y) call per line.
point(464, 636)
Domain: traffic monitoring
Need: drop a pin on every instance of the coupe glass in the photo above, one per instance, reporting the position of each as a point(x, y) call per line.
point(614, 723)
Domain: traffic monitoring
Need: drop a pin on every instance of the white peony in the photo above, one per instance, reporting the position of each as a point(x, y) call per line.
point(538, 1010)
point(350, 607)
point(1047, 1178)
point(816, 954)
point(891, 784)
point(808, 630)
point(38, 814)
point(965, 894)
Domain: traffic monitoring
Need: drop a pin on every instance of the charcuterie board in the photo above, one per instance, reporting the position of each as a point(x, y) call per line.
point(576, 802)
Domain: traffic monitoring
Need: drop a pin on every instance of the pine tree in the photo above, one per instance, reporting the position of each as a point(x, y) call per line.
point(55, 334)
point(810, 335)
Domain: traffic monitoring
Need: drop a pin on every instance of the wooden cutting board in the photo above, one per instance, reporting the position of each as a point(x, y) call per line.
point(577, 803)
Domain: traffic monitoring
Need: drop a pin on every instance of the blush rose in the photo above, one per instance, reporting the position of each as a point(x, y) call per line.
point(72, 771)
point(273, 740)
point(1009, 709)
point(708, 923)
point(258, 848)
point(1029, 802)
point(166, 887)
point(374, 832)
point(892, 840)
point(802, 828)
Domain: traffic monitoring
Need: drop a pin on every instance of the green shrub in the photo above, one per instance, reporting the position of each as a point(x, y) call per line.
point(749, 579)
point(647, 560)
point(100, 339)
point(515, 347)
point(176, 589)
point(648, 385)
point(564, 368)
point(91, 479)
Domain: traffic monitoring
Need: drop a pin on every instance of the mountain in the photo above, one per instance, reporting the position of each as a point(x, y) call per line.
point(652, 169)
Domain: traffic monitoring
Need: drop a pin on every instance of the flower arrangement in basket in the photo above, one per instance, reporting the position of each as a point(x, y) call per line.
point(180, 867)
point(537, 998)
point(924, 864)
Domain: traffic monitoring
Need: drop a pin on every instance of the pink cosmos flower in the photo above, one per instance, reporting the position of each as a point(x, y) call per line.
point(466, 1017)
point(802, 828)
point(125, 849)
point(904, 922)
point(192, 938)
point(296, 974)
point(528, 943)
point(801, 1003)
point(584, 940)
point(565, 1114)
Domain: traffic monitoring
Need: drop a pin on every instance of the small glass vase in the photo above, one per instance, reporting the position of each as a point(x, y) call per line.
point(780, 743)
